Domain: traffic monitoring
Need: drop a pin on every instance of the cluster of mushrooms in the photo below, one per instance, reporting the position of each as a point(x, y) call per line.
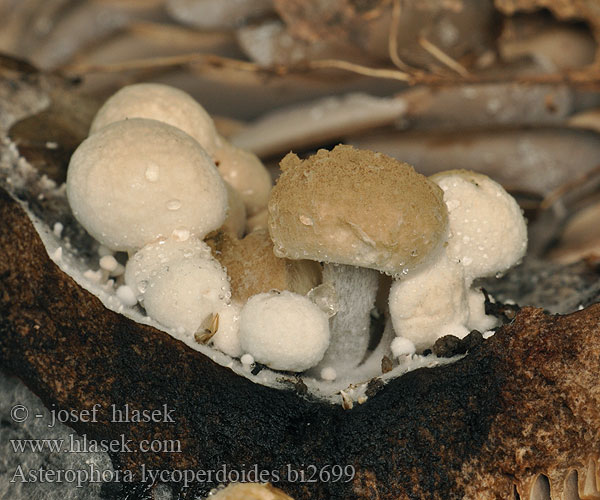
point(286, 276)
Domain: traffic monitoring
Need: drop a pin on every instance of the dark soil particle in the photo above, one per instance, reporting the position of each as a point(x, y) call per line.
point(449, 345)
point(504, 312)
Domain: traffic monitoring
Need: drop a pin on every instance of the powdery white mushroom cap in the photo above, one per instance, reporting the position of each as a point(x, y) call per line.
point(187, 293)
point(488, 233)
point(284, 331)
point(163, 103)
point(227, 338)
point(155, 258)
point(138, 179)
point(430, 303)
point(246, 173)
point(356, 207)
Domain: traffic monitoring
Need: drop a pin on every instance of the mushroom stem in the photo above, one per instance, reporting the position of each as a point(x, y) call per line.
point(356, 290)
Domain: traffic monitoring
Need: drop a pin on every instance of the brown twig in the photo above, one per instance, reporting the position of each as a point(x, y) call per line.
point(442, 57)
point(163, 62)
point(391, 74)
point(590, 78)
point(393, 36)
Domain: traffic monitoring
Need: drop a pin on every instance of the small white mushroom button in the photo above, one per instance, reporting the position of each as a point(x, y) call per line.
point(284, 331)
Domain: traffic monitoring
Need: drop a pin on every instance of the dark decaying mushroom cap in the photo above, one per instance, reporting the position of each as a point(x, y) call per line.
point(524, 403)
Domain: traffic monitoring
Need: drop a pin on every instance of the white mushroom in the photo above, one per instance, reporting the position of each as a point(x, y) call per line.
point(246, 173)
point(163, 103)
point(428, 304)
point(284, 331)
point(478, 320)
point(359, 212)
point(179, 283)
point(156, 257)
point(187, 293)
point(138, 179)
point(227, 338)
point(487, 235)
point(250, 491)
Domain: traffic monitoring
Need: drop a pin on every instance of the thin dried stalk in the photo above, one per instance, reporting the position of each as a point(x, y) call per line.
point(590, 78)
point(442, 57)
point(164, 62)
point(391, 74)
point(393, 36)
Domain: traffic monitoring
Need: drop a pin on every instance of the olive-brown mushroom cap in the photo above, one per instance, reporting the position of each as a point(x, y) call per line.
point(356, 207)
point(253, 268)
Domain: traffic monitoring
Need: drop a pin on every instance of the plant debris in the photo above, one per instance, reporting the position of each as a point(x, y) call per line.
point(449, 345)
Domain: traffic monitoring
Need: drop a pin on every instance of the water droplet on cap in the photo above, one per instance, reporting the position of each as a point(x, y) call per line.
point(325, 298)
point(307, 221)
point(152, 172)
point(173, 205)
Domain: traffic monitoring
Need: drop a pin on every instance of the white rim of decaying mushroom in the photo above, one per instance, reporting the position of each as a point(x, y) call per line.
point(487, 236)
point(160, 102)
point(358, 212)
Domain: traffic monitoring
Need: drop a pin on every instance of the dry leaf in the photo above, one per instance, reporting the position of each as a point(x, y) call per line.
point(270, 43)
point(553, 46)
point(459, 29)
point(589, 119)
point(217, 14)
point(531, 160)
point(316, 123)
point(487, 106)
point(588, 10)
point(580, 238)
